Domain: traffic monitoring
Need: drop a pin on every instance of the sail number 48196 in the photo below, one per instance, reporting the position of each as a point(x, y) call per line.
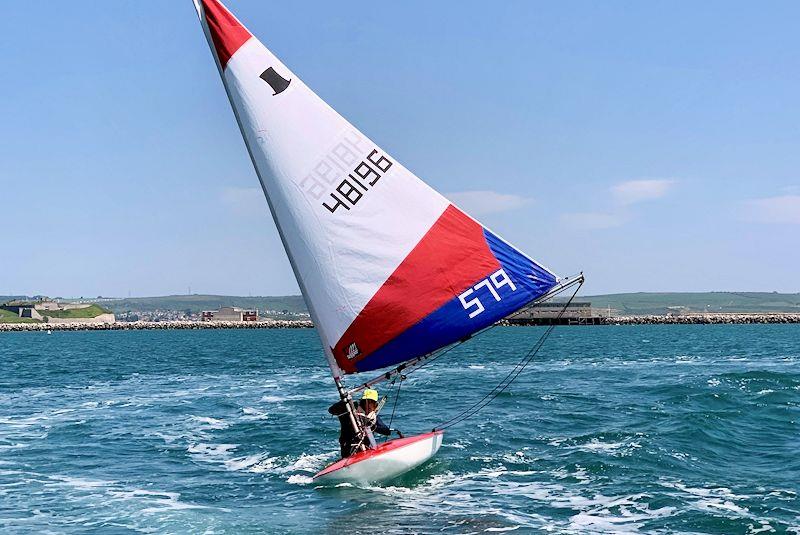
point(492, 283)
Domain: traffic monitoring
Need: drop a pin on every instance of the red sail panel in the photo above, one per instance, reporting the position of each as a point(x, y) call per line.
point(227, 33)
point(451, 256)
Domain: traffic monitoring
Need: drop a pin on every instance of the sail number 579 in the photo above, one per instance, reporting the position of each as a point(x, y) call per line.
point(470, 299)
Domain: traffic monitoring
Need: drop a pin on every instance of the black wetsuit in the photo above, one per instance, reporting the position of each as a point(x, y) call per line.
point(349, 440)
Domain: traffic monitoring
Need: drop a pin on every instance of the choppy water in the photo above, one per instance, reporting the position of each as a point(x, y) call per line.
point(637, 428)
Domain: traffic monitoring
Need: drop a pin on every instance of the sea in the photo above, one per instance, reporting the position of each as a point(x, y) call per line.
point(610, 429)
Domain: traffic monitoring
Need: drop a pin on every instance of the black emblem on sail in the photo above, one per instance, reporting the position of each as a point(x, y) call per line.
point(277, 82)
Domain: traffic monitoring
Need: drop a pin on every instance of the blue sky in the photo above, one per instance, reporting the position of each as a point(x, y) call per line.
point(652, 145)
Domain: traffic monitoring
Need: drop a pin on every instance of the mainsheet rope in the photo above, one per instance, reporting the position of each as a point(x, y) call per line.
point(396, 399)
point(508, 379)
point(442, 351)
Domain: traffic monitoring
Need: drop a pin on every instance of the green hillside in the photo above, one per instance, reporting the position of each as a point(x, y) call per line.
point(9, 317)
point(659, 303)
point(92, 311)
point(625, 303)
point(197, 303)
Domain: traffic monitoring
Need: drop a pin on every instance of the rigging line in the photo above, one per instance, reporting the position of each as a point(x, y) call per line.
point(512, 375)
point(542, 299)
point(396, 399)
point(479, 333)
point(506, 382)
point(424, 360)
point(498, 389)
point(535, 302)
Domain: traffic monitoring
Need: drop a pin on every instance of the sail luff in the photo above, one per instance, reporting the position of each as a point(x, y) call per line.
point(336, 371)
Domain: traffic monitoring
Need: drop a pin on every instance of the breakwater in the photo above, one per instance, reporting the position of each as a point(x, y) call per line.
point(157, 325)
point(704, 319)
point(686, 319)
point(719, 318)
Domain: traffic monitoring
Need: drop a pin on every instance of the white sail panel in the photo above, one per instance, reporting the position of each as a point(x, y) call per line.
point(305, 151)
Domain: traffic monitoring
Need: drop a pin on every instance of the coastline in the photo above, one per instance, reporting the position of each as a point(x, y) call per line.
point(712, 318)
point(687, 319)
point(156, 325)
point(706, 319)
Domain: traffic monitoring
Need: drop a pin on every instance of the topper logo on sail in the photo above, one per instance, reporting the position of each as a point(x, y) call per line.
point(353, 351)
point(492, 283)
point(277, 82)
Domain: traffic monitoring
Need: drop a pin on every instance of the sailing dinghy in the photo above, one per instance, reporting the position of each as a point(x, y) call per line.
point(390, 269)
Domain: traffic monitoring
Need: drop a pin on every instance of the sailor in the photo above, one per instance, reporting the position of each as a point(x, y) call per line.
point(368, 420)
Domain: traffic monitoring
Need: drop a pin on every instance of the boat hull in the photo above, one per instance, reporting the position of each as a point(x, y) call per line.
point(389, 460)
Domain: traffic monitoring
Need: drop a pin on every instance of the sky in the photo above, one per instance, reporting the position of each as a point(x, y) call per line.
point(651, 145)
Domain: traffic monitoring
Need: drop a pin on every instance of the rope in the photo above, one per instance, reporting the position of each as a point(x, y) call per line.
point(420, 362)
point(508, 379)
point(444, 351)
point(396, 398)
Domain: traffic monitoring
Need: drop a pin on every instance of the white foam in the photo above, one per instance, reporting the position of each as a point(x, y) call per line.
point(452, 494)
point(165, 502)
point(253, 414)
point(718, 500)
point(618, 448)
point(281, 399)
point(210, 423)
point(15, 446)
point(310, 463)
point(81, 483)
point(298, 479)
point(252, 463)
point(760, 529)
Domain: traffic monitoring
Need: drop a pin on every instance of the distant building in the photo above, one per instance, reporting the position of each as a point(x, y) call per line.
point(549, 313)
point(49, 312)
point(229, 314)
point(47, 305)
point(552, 310)
point(678, 310)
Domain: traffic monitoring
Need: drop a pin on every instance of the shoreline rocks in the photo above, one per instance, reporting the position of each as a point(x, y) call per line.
point(705, 319)
point(686, 319)
point(156, 325)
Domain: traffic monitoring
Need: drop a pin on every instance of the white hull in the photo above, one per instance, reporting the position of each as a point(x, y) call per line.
point(388, 461)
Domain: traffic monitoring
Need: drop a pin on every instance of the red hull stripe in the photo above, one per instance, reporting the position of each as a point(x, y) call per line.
point(370, 454)
point(450, 258)
point(228, 34)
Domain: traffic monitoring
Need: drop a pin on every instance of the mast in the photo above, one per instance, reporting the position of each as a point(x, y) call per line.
point(336, 372)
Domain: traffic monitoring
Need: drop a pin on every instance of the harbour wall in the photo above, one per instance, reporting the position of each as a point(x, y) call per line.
point(156, 325)
point(682, 319)
point(687, 319)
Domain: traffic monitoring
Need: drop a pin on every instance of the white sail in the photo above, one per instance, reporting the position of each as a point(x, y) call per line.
point(390, 268)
